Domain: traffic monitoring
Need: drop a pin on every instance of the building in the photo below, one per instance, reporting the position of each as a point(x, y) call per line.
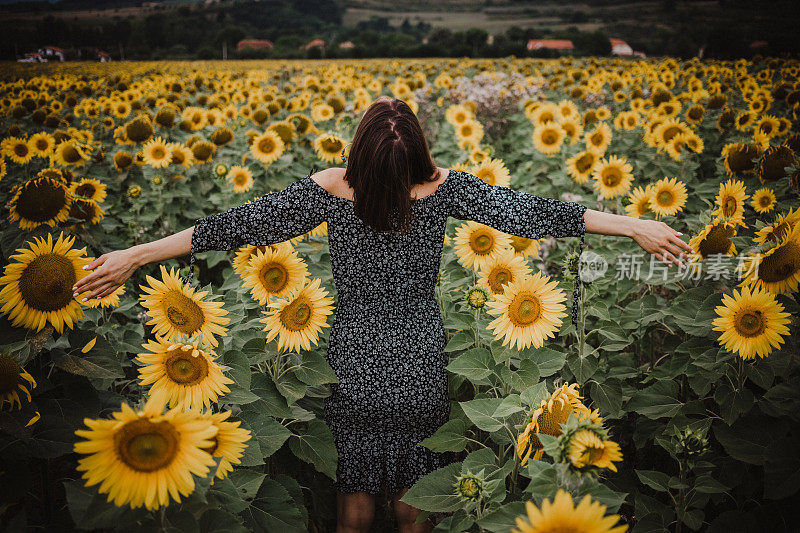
point(620, 47)
point(255, 44)
point(346, 44)
point(315, 43)
point(52, 52)
point(551, 44)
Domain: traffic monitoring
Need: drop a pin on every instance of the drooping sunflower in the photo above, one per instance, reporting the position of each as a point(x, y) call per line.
point(89, 188)
point(587, 448)
point(274, 273)
point(640, 198)
point(493, 171)
point(528, 311)
point(778, 269)
point(157, 153)
point(714, 239)
point(240, 177)
point(38, 284)
point(86, 210)
point(581, 165)
point(730, 201)
point(598, 139)
point(547, 418)
point(752, 323)
point(122, 161)
point(183, 375)
point(781, 227)
point(17, 150)
point(774, 163)
point(740, 158)
point(612, 176)
point(548, 138)
point(763, 200)
point(668, 196)
point(39, 201)
point(589, 516)
point(203, 151)
point(523, 246)
point(298, 318)
point(476, 244)
point(229, 442)
point(176, 309)
point(146, 457)
point(505, 267)
point(69, 152)
point(13, 380)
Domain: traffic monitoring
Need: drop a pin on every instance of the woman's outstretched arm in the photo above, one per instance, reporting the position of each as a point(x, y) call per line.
point(114, 268)
point(653, 236)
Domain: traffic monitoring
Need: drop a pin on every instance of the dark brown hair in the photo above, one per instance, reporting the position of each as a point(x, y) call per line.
point(388, 156)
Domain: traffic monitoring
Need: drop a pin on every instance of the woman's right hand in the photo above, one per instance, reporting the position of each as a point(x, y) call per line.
point(661, 240)
point(109, 272)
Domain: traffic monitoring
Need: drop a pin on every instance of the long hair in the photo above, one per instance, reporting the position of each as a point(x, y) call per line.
point(388, 156)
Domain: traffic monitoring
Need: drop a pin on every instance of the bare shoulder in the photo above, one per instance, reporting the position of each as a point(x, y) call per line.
point(332, 180)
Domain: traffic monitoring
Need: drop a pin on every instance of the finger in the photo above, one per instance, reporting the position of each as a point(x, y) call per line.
point(84, 282)
point(95, 284)
point(96, 262)
point(96, 293)
point(674, 250)
point(672, 260)
point(681, 243)
point(108, 290)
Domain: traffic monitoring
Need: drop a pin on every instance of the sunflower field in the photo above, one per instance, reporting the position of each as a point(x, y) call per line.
point(192, 401)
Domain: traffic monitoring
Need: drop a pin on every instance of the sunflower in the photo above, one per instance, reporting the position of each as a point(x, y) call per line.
point(493, 172)
point(581, 165)
point(157, 153)
point(181, 154)
point(668, 196)
point(573, 129)
point(86, 210)
point(122, 161)
point(548, 138)
point(42, 144)
point(587, 448)
point(740, 158)
point(298, 318)
point(778, 229)
point(477, 244)
point(774, 163)
point(745, 120)
point(469, 133)
point(109, 300)
point(39, 201)
point(89, 188)
point(222, 136)
point(176, 309)
point(752, 323)
point(525, 247)
point(229, 442)
point(730, 201)
point(714, 239)
point(612, 176)
point(563, 516)
point(69, 152)
point(13, 380)
point(778, 269)
point(183, 375)
point(267, 147)
point(321, 112)
point(504, 268)
point(547, 418)
point(598, 139)
point(203, 151)
point(241, 178)
point(145, 457)
point(528, 311)
point(17, 150)
point(763, 200)
point(274, 272)
point(640, 198)
point(38, 284)
point(668, 129)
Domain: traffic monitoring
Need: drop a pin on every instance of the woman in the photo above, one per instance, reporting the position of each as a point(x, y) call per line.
point(386, 213)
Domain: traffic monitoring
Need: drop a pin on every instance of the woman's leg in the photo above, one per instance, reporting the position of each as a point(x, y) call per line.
point(406, 515)
point(354, 511)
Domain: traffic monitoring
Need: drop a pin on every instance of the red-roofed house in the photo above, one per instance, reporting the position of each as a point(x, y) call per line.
point(550, 44)
point(52, 51)
point(312, 44)
point(346, 44)
point(620, 47)
point(255, 44)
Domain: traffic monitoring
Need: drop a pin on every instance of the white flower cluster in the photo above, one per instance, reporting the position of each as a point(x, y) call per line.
point(496, 92)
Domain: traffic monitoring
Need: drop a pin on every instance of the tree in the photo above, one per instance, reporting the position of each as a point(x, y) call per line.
point(476, 37)
point(230, 35)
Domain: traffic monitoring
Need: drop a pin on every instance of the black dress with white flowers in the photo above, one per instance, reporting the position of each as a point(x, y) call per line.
point(387, 338)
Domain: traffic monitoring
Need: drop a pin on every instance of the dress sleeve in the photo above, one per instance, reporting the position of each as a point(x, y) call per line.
point(518, 213)
point(275, 217)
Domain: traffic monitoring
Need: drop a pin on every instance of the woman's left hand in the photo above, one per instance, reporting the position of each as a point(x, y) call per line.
point(659, 239)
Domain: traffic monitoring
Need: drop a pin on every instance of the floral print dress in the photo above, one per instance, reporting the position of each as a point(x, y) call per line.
point(387, 339)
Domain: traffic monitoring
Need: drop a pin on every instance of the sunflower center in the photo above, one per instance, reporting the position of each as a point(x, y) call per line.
point(296, 315)
point(42, 144)
point(781, 264)
point(740, 158)
point(665, 198)
point(481, 243)
point(70, 154)
point(182, 367)
point(729, 206)
point(85, 189)
point(331, 145)
point(46, 283)
point(611, 177)
point(551, 418)
point(597, 139)
point(9, 375)
point(146, 446)
point(21, 149)
point(671, 132)
point(158, 153)
point(41, 200)
point(717, 241)
point(213, 448)
point(525, 309)
point(584, 163)
point(765, 201)
point(273, 277)
point(549, 137)
point(500, 277)
point(183, 312)
point(266, 145)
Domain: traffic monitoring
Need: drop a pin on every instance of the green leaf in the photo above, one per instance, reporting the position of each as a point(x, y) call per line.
point(274, 510)
point(548, 361)
point(526, 375)
point(708, 485)
point(534, 394)
point(460, 341)
point(481, 413)
point(314, 370)
point(435, 492)
point(511, 404)
point(448, 438)
point(219, 521)
point(749, 437)
point(270, 433)
point(472, 364)
point(290, 387)
point(544, 480)
point(316, 446)
point(90, 510)
point(273, 403)
point(582, 368)
point(654, 479)
point(607, 396)
point(90, 366)
point(782, 468)
point(657, 400)
point(503, 518)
